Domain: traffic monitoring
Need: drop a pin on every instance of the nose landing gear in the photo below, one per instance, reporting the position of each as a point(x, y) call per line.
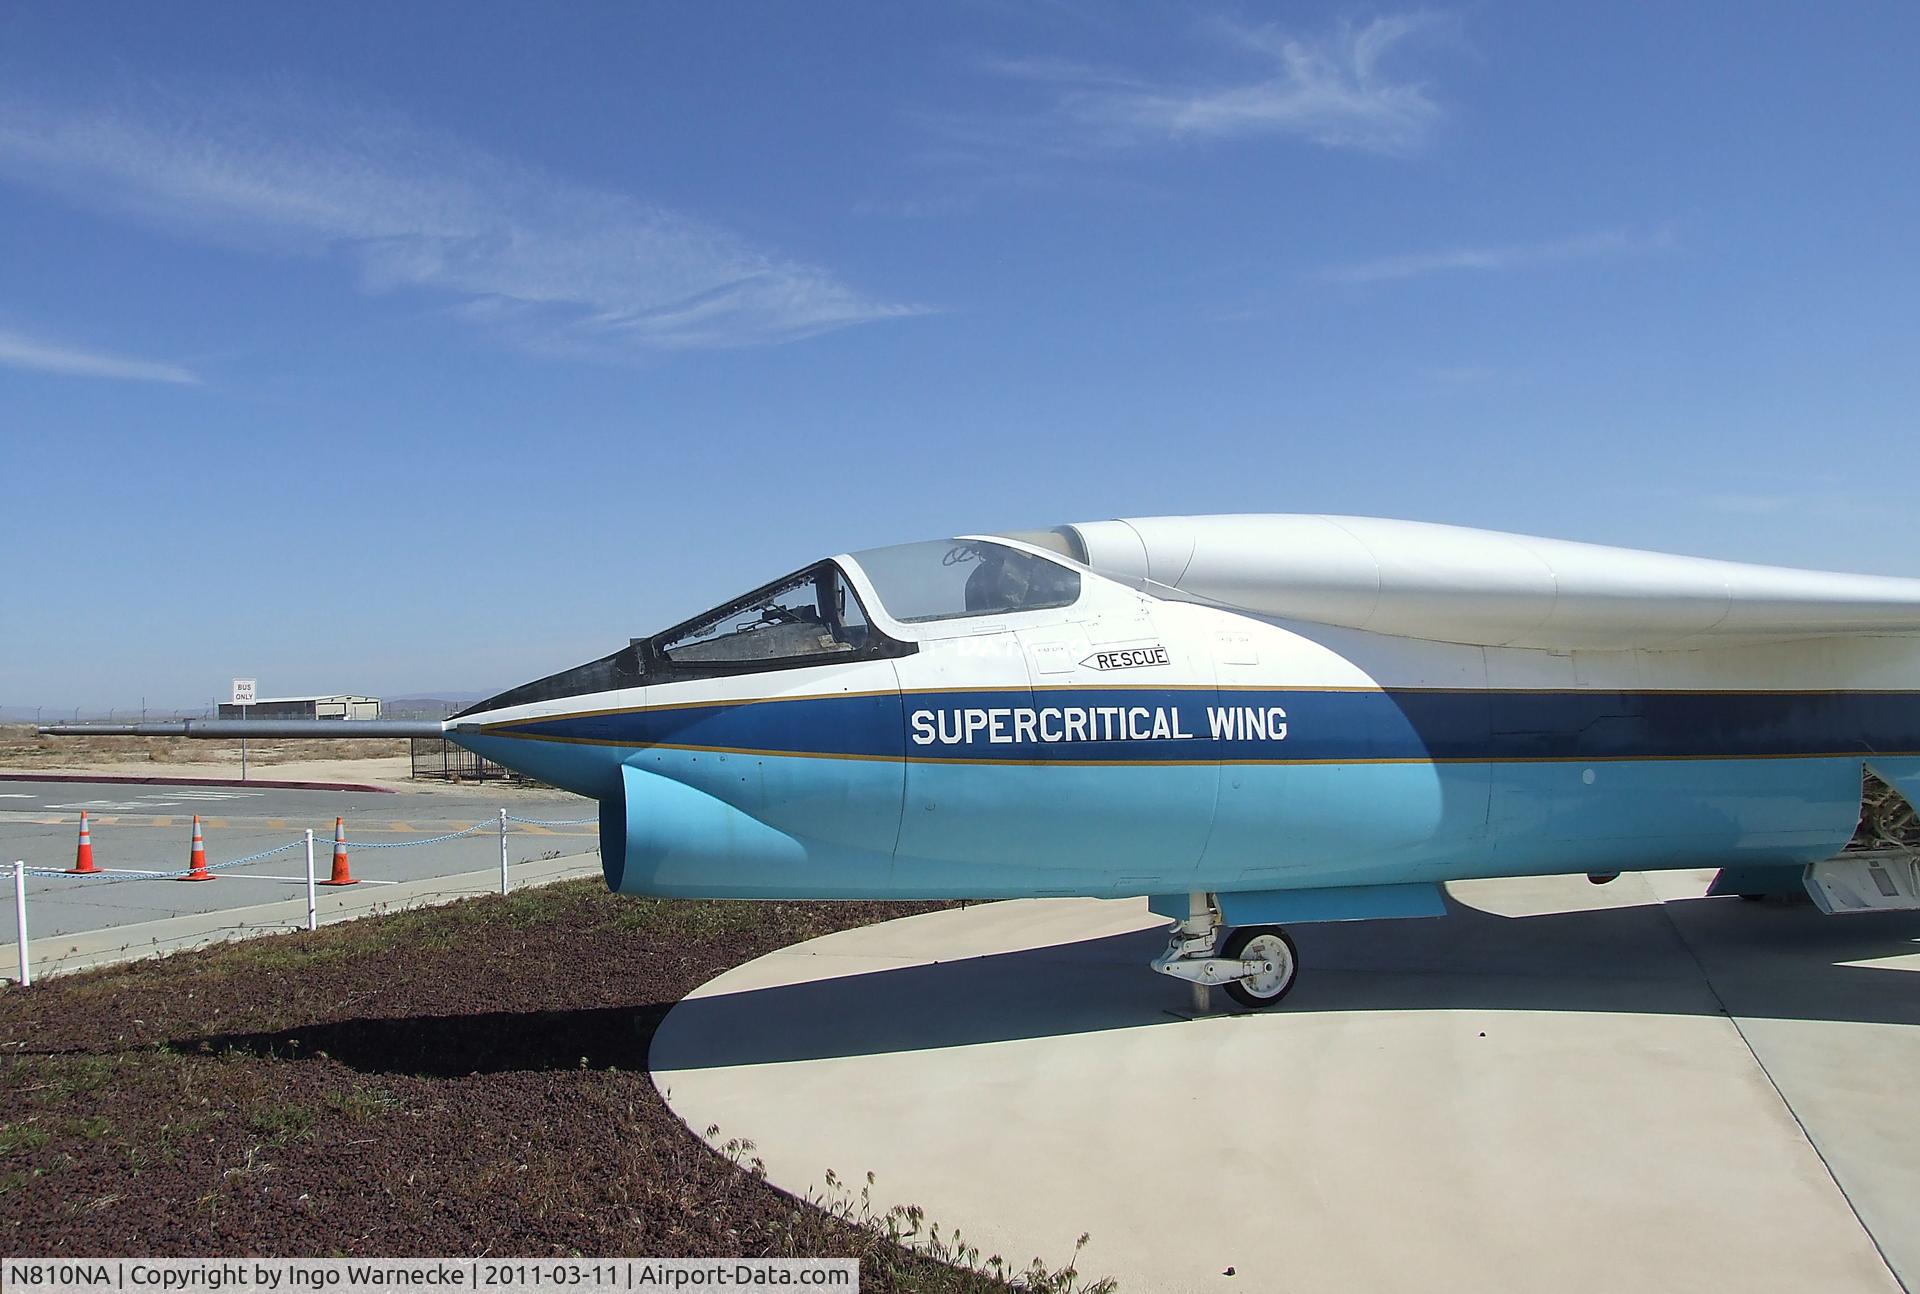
point(1257, 966)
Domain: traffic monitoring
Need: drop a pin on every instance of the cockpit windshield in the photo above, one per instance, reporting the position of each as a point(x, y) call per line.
point(814, 617)
point(810, 614)
point(947, 579)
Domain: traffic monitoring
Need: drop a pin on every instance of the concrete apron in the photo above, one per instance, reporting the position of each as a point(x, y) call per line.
point(1540, 1091)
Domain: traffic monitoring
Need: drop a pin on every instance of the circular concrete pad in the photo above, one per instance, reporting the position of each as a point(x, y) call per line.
point(1542, 1090)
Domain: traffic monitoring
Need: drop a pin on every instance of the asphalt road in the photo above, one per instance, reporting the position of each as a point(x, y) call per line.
point(149, 828)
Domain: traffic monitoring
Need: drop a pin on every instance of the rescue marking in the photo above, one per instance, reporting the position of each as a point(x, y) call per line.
point(1127, 658)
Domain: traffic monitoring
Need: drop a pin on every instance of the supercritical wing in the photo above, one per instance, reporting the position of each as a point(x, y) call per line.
point(1454, 584)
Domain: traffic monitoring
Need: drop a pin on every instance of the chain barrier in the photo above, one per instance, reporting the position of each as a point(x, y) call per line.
point(123, 875)
point(109, 876)
point(105, 876)
point(55, 871)
point(253, 858)
point(408, 844)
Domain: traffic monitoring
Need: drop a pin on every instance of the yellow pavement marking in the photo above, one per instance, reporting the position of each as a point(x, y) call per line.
point(533, 830)
point(213, 822)
point(402, 826)
point(277, 824)
point(161, 822)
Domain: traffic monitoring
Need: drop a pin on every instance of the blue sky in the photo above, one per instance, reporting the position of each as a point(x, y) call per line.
point(404, 348)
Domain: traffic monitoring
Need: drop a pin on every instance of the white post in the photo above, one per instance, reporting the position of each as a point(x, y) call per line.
point(20, 920)
point(503, 851)
point(313, 915)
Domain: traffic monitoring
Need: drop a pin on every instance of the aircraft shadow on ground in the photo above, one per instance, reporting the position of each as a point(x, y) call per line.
point(1785, 963)
point(455, 1046)
point(1759, 961)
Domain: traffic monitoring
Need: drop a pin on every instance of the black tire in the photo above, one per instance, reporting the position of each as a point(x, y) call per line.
point(1236, 946)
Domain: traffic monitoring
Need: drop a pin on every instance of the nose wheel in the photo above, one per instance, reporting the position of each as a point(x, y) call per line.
point(1257, 966)
point(1279, 960)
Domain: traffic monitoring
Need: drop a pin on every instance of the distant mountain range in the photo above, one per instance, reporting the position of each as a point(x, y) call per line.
point(439, 705)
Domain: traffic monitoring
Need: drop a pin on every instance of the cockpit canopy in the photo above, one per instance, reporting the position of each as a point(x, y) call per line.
point(948, 579)
point(815, 617)
point(811, 613)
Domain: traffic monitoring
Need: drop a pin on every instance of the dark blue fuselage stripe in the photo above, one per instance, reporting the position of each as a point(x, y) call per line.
point(1199, 725)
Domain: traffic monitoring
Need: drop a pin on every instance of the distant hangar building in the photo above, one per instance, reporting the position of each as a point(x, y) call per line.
point(305, 707)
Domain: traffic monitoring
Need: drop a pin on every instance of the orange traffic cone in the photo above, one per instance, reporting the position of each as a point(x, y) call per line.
point(341, 876)
point(197, 862)
point(83, 856)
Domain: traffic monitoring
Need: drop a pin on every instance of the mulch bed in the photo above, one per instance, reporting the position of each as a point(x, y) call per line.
point(468, 1079)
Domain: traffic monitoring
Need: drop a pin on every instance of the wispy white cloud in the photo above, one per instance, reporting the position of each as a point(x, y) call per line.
point(1335, 89)
point(560, 267)
point(17, 351)
point(1506, 256)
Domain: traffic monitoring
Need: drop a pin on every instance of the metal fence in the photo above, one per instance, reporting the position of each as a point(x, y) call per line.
point(441, 760)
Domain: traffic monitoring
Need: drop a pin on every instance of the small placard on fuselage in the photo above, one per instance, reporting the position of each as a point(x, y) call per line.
point(1128, 658)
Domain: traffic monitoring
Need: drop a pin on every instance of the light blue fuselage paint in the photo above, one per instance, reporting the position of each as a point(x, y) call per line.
point(956, 795)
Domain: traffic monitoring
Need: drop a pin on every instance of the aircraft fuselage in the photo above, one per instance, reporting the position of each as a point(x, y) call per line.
point(1123, 743)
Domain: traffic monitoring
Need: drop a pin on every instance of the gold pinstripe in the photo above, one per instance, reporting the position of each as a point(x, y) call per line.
point(504, 727)
point(758, 753)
